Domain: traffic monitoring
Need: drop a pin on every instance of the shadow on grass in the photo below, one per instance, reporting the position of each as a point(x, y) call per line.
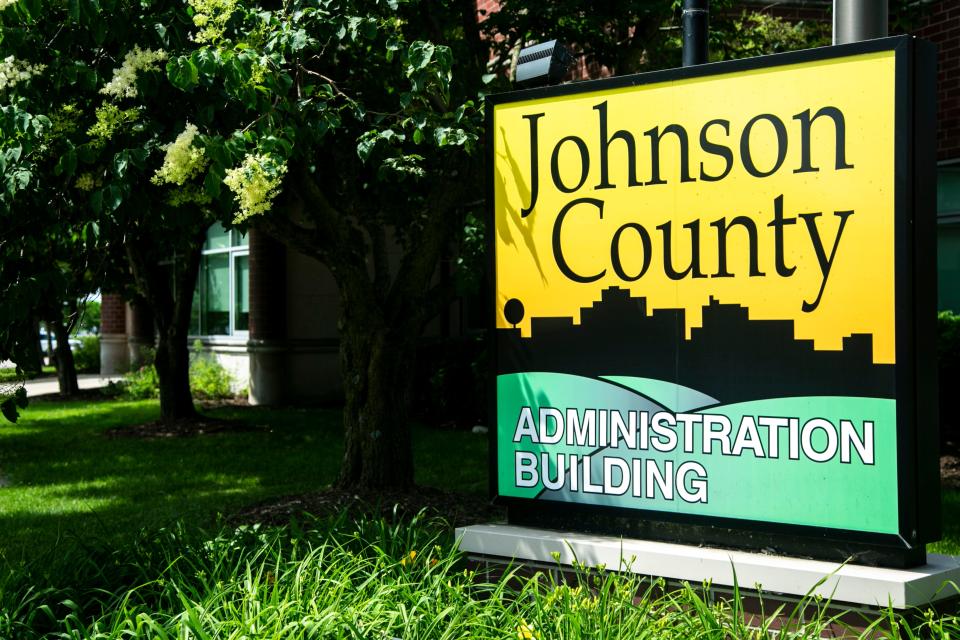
point(62, 479)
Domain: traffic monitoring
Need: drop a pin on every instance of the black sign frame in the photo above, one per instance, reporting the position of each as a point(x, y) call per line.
point(915, 320)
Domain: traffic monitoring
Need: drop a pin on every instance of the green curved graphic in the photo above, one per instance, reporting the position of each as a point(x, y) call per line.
point(857, 494)
point(675, 397)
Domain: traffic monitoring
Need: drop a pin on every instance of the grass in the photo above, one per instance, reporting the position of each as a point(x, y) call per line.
point(110, 538)
point(370, 578)
point(9, 374)
point(66, 480)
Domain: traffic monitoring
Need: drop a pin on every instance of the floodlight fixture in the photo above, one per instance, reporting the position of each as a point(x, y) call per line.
point(542, 64)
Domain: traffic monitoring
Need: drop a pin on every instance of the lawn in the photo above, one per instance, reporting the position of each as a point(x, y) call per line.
point(63, 479)
point(109, 538)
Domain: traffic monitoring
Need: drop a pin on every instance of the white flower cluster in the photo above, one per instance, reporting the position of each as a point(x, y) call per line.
point(124, 81)
point(182, 160)
point(13, 72)
point(6, 3)
point(85, 182)
point(211, 16)
point(255, 184)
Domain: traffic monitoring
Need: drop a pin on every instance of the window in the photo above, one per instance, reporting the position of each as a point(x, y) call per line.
point(221, 304)
point(948, 238)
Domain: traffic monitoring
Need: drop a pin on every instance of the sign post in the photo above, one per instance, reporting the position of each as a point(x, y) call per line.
point(714, 304)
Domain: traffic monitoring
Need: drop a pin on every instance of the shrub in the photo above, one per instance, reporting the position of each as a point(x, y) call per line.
point(87, 356)
point(142, 383)
point(208, 378)
point(948, 356)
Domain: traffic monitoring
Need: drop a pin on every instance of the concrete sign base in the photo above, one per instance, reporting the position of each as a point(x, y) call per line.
point(792, 577)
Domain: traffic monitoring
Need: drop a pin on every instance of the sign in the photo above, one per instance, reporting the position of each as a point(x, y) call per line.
point(712, 292)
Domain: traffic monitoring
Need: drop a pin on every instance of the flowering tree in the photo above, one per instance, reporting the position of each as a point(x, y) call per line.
point(94, 138)
point(344, 133)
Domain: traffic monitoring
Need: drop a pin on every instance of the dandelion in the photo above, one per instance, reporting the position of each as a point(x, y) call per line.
point(124, 81)
point(182, 161)
point(255, 184)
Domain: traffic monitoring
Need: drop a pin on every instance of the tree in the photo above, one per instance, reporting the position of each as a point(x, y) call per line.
point(110, 155)
point(354, 144)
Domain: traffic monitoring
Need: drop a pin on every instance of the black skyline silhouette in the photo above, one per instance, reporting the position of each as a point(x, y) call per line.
point(730, 357)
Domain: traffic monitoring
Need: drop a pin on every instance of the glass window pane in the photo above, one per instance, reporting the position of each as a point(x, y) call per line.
point(195, 329)
point(241, 287)
point(948, 190)
point(216, 302)
point(948, 267)
point(240, 239)
point(218, 237)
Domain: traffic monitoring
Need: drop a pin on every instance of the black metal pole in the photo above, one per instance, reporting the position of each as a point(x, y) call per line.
point(856, 20)
point(695, 14)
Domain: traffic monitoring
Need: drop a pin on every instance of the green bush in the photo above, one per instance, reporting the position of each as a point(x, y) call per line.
point(87, 357)
point(142, 383)
point(948, 357)
point(949, 343)
point(209, 379)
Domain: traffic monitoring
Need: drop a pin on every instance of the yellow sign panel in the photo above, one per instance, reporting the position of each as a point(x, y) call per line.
point(772, 189)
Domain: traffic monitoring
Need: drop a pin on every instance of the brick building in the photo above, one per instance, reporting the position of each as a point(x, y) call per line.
point(269, 314)
point(941, 25)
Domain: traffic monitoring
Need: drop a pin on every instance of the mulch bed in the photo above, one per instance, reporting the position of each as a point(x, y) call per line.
point(183, 428)
point(950, 466)
point(457, 509)
point(88, 395)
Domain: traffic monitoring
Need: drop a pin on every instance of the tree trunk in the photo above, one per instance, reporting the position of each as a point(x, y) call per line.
point(173, 373)
point(66, 369)
point(34, 365)
point(377, 370)
point(170, 306)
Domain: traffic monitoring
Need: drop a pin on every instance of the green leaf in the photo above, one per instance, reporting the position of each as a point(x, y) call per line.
point(206, 61)
point(211, 184)
point(20, 397)
point(112, 197)
point(366, 145)
point(420, 54)
point(183, 73)
point(448, 136)
point(96, 201)
point(298, 40)
point(120, 162)
point(9, 410)
point(67, 164)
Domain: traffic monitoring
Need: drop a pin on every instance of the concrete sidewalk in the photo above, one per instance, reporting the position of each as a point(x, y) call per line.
point(47, 385)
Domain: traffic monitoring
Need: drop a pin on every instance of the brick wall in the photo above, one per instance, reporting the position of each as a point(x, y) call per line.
point(486, 7)
point(113, 314)
point(941, 25)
